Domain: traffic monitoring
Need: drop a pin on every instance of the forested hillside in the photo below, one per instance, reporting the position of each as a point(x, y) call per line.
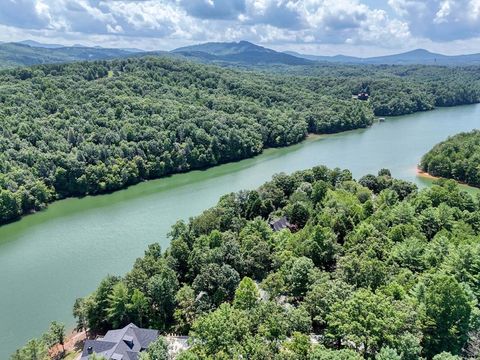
point(394, 90)
point(88, 128)
point(93, 127)
point(457, 158)
point(242, 52)
point(18, 54)
point(374, 268)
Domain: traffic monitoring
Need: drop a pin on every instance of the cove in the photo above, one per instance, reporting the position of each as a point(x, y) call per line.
point(49, 259)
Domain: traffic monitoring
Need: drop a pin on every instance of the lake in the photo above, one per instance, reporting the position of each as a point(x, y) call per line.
point(50, 258)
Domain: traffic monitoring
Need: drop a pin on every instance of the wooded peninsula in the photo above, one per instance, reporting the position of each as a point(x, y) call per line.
point(373, 268)
point(457, 158)
point(94, 127)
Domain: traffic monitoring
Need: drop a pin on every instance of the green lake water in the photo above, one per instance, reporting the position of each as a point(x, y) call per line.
point(49, 259)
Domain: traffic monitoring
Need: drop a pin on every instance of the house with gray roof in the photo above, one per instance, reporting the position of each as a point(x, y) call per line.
point(280, 224)
point(121, 344)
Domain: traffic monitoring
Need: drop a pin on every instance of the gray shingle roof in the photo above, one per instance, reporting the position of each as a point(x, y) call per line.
point(98, 347)
point(145, 336)
point(124, 344)
point(279, 224)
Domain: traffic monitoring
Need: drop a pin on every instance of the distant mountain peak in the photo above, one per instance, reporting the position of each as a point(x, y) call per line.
point(412, 57)
point(242, 51)
point(421, 51)
point(37, 44)
point(418, 52)
point(220, 48)
point(245, 42)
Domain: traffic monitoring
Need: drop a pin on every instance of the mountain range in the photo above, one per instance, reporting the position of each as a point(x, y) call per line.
point(242, 52)
point(27, 53)
point(418, 56)
point(31, 52)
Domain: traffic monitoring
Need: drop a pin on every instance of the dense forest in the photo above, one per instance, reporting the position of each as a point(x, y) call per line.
point(457, 158)
point(394, 90)
point(94, 127)
point(374, 268)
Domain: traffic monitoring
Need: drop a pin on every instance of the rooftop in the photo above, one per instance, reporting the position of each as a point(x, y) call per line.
point(279, 224)
point(121, 344)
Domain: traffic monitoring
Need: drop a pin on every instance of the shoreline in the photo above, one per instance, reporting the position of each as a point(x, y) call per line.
point(309, 137)
point(24, 233)
point(73, 345)
point(426, 175)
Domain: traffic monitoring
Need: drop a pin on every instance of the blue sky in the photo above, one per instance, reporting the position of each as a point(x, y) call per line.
point(354, 27)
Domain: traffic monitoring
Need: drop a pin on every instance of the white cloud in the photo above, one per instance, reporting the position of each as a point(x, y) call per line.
point(440, 20)
point(333, 21)
point(154, 18)
point(315, 24)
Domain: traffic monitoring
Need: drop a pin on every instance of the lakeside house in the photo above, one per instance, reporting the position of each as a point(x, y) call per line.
point(364, 96)
point(121, 344)
point(129, 342)
point(280, 224)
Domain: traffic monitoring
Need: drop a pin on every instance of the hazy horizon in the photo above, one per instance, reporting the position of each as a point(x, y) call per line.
point(362, 28)
point(285, 50)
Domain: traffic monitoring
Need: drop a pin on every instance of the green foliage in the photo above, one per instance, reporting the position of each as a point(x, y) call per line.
point(218, 332)
point(9, 207)
point(38, 349)
point(446, 356)
point(299, 346)
point(72, 130)
point(158, 350)
point(185, 311)
point(34, 350)
point(448, 311)
point(246, 295)
point(457, 158)
point(118, 302)
point(298, 214)
point(322, 353)
point(388, 354)
point(322, 296)
point(138, 307)
point(298, 275)
point(56, 333)
point(368, 321)
point(399, 281)
point(162, 289)
point(218, 283)
point(91, 311)
point(96, 127)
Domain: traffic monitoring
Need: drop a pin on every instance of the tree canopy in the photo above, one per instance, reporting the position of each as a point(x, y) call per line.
point(377, 269)
point(457, 158)
point(95, 127)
